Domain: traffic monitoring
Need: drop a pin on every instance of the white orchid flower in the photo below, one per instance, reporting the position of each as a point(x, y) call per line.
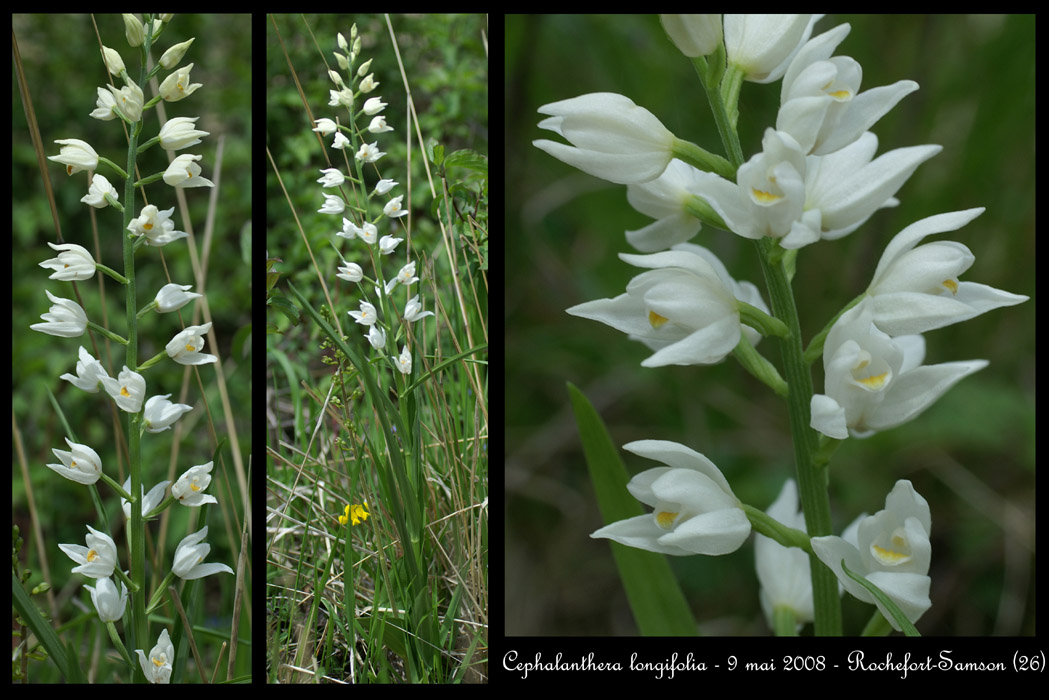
point(916, 288)
point(369, 153)
point(156, 225)
point(80, 463)
point(179, 133)
point(664, 199)
point(890, 549)
point(325, 126)
point(65, 318)
point(388, 244)
point(76, 155)
point(97, 559)
point(404, 361)
point(184, 172)
point(109, 601)
point(693, 35)
point(844, 188)
point(149, 500)
point(128, 101)
point(768, 197)
point(393, 208)
point(351, 272)
point(177, 85)
point(157, 668)
point(161, 414)
point(190, 554)
point(73, 263)
point(333, 204)
point(413, 310)
point(89, 373)
point(189, 488)
point(100, 192)
point(874, 382)
point(762, 46)
point(821, 105)
point(367, 316)
point(172, 297)
point(695, 509)
point(331, 177)
point(185, 348)
point(128, 390)
point(612, 138)
point(784, 571)
point(686, 308)
point(377, 337)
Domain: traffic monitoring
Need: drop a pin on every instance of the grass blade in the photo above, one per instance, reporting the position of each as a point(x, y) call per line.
point(659, 606)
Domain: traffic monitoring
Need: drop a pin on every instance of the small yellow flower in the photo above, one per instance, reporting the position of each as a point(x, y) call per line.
point(355, 514)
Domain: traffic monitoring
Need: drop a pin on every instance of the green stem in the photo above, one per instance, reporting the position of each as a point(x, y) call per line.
point(765, 524)
point(138, 527)
point(111, 272)
point(815, 503)
point(152, 361)
point(755, 363)
point(107, 161)
point(784, 621)
point(119, 645)
point(699, 157)
point(106, 332)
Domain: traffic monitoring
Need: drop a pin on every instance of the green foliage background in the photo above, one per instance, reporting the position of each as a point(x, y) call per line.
point(971, 455)
point(63, 68)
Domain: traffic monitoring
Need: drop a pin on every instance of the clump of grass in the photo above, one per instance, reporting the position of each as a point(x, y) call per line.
point(377, 465)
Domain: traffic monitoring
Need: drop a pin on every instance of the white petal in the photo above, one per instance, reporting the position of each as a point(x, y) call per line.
point(714, 533)
point(640, 532)
point(678, 456)
point(706, 346)
point(831, 551)
point(828, 417)
point(917, 390)
point(909, 591)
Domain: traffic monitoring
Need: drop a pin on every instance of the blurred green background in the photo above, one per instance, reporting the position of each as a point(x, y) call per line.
point(63, 68)
point(971, 455)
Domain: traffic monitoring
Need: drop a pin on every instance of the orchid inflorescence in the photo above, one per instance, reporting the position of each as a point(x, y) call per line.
point(376, 317)
point(151, 227)
point(816, 178)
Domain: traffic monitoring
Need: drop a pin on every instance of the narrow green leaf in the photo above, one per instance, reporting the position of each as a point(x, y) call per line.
point(908, 629)
point(656, 600)
point(40, 627)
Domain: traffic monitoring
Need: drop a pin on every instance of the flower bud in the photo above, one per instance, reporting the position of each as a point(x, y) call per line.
point(133, 30)
point(172, 56)
point(114, 64)
point(172, 297)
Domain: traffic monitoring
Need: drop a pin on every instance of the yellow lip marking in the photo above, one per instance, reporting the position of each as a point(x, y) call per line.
point(765, 197)
point(665, 519)
point(656, 320)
